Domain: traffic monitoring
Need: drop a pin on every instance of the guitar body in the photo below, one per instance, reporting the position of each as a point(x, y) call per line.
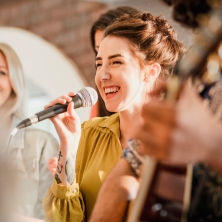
point(164, 193)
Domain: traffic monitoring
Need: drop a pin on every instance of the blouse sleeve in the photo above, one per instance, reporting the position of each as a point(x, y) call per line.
point(63, 203)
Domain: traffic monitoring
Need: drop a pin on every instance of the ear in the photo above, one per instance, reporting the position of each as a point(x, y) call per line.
point(154, 71)
point(151, 72)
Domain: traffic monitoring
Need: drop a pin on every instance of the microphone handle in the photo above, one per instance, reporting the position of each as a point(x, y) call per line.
point(58, 108)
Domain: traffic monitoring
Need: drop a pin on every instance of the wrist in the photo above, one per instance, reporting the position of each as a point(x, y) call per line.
point(65, 171)
point(130, 154)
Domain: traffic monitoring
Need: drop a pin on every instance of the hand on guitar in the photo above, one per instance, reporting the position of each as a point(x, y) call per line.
point(181, 133)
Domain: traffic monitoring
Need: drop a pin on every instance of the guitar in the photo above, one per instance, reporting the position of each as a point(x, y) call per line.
point(153, 203)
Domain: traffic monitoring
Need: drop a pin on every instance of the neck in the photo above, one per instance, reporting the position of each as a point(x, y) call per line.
point(128, 124)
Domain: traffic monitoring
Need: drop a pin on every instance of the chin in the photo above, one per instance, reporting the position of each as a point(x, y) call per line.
point(111, 109)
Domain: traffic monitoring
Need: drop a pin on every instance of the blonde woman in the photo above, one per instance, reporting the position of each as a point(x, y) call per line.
point(30, 148)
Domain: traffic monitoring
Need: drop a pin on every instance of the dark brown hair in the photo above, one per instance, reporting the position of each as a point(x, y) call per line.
point(153, 39)
point(186, 11)
point(101, 24)
point(107, 19)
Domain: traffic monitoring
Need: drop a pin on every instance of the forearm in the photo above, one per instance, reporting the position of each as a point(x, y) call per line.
point(64, 200)
point(65, 171)
point(119, 188)
point(111, 206)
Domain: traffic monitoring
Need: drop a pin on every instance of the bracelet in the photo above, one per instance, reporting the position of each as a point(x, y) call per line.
point(131, 155)
point(134, 146)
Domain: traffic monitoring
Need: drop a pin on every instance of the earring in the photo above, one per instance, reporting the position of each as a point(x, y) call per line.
point(145, 78)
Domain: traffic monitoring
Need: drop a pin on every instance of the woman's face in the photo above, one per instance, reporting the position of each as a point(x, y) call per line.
point(98, 38)
point(118, 74)
point(5, 84)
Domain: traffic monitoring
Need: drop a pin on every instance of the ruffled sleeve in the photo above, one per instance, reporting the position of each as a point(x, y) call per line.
point(63, 203)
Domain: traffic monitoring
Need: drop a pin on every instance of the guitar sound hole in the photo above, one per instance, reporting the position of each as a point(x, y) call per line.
point(164, 199)
point(160, 209)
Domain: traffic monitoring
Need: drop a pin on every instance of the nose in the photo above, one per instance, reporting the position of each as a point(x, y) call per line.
point(104, 73)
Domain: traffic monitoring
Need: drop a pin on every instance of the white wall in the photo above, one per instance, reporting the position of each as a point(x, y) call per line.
point(46, 68)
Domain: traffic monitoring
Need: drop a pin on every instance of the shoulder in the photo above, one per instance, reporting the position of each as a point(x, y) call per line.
point(37, 131)
point(36, 134)
point(101, 122)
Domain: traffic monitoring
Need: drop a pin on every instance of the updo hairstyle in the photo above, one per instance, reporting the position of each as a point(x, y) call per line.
point(153, 39)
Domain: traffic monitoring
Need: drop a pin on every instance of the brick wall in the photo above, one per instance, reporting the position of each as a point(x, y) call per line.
point(65, 23)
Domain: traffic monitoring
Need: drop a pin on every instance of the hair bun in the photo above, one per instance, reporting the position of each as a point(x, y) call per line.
point(145, 16)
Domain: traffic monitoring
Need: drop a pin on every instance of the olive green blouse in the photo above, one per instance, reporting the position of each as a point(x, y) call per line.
point(99, 151)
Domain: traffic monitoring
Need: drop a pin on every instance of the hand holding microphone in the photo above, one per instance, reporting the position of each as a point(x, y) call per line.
point(61, 113)
point(86, 97)
point(67, 124)
point(68, 127)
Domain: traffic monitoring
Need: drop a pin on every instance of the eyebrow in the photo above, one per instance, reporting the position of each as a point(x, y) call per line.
point(110, 57)
point(4, 67)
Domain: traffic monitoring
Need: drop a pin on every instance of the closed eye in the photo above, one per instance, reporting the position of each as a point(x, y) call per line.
point(116, 62)
point(98, 65)
point(2, 73)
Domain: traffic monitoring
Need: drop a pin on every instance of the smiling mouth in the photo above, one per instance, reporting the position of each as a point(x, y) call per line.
point(111, 90)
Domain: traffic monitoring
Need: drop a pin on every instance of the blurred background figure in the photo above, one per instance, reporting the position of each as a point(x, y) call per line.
point(96, 36)
point(30, 148)
point(9, 190)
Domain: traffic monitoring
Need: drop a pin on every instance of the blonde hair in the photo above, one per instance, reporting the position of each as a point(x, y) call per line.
point(16, 102)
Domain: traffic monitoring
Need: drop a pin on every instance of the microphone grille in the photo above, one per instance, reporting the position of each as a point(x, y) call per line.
point(89, 96)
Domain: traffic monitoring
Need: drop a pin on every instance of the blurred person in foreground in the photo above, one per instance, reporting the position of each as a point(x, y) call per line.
point(30, 148)
point(189, 130)
point(129, 63)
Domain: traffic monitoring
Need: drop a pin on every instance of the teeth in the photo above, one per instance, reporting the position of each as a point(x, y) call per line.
point(111, 90)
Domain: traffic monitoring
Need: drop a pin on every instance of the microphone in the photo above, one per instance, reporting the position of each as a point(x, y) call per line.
point(86, 97)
